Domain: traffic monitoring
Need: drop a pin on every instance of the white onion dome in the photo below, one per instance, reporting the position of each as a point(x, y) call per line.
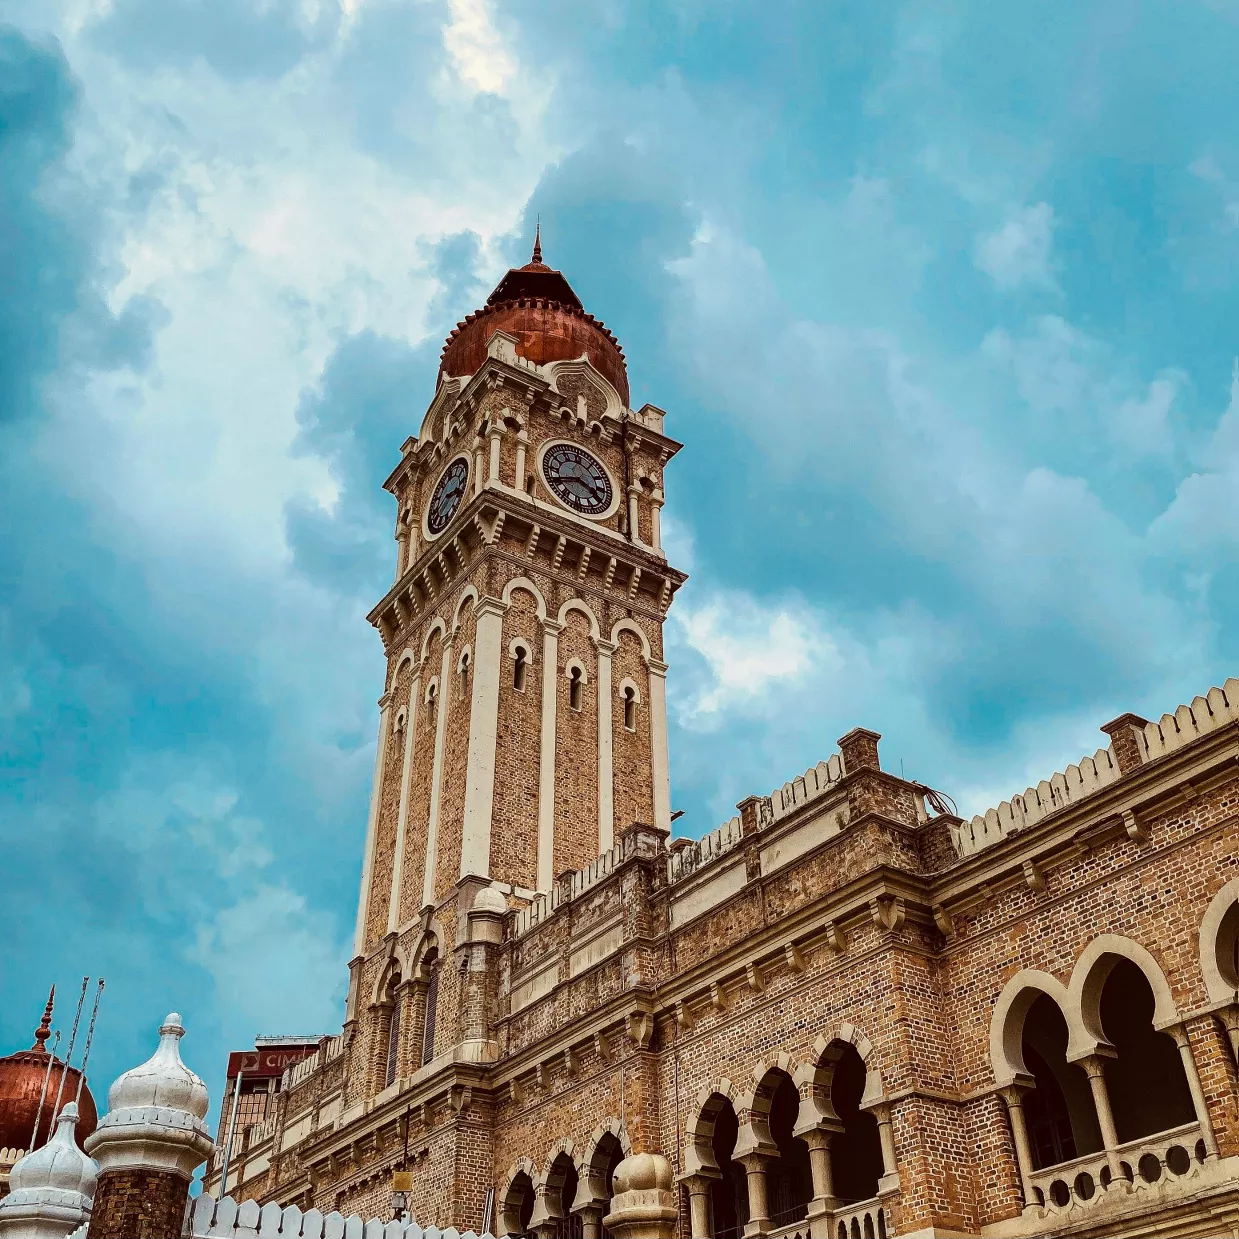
point(163, 1080)
point(54, 1185)
point(156, 1112)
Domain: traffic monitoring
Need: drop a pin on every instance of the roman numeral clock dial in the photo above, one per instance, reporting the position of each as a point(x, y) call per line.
point(577, 479)
point(448, 495)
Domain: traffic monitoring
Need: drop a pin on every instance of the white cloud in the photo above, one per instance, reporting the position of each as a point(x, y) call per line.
point(477, 51)
point(1018, 252)
point(750, 651)
point(273, 958)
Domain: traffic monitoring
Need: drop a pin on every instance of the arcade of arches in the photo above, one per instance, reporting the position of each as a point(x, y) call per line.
point(1090, 1073)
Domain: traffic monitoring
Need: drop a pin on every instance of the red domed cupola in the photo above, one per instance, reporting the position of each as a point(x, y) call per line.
point(25, 1078)
point(535, 304)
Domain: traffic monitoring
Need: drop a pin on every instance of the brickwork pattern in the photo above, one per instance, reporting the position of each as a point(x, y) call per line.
point(457, 701)
point(634, 792)
point(138, 1204)
point(576, 749)
point(518, 750)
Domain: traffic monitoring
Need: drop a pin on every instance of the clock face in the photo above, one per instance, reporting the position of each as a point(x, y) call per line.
point(577, 478)
point(448, 495)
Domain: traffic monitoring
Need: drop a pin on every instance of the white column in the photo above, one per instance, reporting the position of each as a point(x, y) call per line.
point(634, 526)
point(367, 864)
point(1105, 1116)
point(397, 869)
point(522, 443)
point(478, 480)
point(403, 559)
point(546, 765)
point(444, 701)
point(494, 453)
point(660, 762)
point(1014, 1098)
point(656, 521)
point(1179, 1032)
point(606, 787)
point(483, 730)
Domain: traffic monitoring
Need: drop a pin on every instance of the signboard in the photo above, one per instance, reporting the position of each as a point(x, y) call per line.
point(267, 1062)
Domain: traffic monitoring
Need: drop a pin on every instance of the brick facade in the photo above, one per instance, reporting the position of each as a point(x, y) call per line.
point(139, 1204)
point(844, 985)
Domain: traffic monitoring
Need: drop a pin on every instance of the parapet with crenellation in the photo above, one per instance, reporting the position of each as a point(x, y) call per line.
point(1135, 742)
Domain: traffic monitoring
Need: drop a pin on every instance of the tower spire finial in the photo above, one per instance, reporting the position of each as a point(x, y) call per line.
point(537, 242)
point(44, 1029)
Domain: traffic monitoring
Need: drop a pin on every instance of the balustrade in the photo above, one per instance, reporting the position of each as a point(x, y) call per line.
point(1178, 1154)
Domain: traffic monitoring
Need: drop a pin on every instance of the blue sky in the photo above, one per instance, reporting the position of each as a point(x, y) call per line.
point(940, 296)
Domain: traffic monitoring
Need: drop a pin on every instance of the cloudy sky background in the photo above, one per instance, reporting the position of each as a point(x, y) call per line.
point(941, 297)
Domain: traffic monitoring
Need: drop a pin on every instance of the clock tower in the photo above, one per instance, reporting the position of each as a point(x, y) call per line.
point(523, 722)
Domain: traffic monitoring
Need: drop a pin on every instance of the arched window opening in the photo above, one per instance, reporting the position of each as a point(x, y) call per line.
point(464, 674)
point(518, 1206)
point(1227, 948)
point(520, 667)
point(729, 1196)
point(1146, 1083)
point(392, 1065)
point(562, 1185)
point(789, 1180)
point(574, 688)
point(607, 1156)
point(856, 1151)
point(1059, 1113)
point(432, 1007)
point(432, 696)
point(630, 708)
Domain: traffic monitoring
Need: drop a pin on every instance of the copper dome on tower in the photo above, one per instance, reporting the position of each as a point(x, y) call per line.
point(22, 1077)
point(535, 304)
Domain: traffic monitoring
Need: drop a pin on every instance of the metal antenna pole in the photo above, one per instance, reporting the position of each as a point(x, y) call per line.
point(232, 1127)
point(90, 1036)
point(64, 1071)
point(47, 1075)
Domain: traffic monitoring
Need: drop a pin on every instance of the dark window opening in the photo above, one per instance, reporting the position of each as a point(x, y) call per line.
point(729, 1195)
point(518, 1207)
point(393, 1032)
point(608, 1156)
point(519, 668)
point(630, 708)
point(1146, 1083)
point(1059, 1112)
point(432, 1006)
point(856, 1151)
point(574, 688)
point(789, 1181)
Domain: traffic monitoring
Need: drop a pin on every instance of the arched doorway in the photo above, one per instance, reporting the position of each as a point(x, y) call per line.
point(729, 1197)
point(1145, 1082)
point(561, 1193)
point(608, 1153)
point(856, 1151)
point(1059, 1113)
point(518, 1205)
point(789, 1179)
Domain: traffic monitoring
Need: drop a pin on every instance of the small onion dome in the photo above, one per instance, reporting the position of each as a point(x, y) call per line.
point(155, 1112)
point(535, 304)
point(22, 1077)
point(163, 1080)
point(54, 1185)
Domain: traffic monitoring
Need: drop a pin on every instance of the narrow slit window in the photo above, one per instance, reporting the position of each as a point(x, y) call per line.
point(574, 688)
point(630, 708)
point(519, 668)
point(432, 1009)
point(393, 1033)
